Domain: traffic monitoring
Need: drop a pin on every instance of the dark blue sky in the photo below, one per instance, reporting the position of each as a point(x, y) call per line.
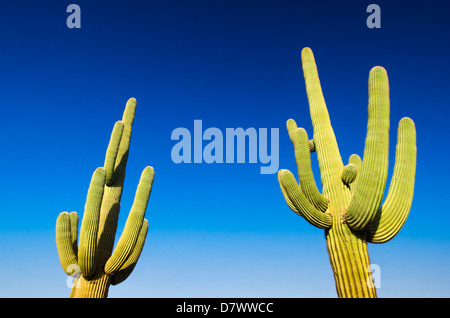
point(230, 64)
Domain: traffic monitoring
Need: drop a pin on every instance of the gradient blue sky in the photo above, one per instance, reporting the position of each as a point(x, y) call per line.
point(220, 230)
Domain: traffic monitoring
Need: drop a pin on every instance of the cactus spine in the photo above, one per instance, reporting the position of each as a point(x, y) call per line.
point(90, 257)
point(349, 208)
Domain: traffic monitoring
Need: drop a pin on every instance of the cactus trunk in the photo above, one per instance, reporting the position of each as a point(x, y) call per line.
point(347, 248)
point(349, 258)
point(97, 287)
point(349, 208)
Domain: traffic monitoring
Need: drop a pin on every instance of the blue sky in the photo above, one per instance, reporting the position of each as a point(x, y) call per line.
point(218, 230)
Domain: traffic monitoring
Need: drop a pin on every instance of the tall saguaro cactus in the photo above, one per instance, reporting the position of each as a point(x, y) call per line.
point(349, 208)
point(89, 255)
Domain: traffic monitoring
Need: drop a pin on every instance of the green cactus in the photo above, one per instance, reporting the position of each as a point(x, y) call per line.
point(92, 259)
point(349, 208)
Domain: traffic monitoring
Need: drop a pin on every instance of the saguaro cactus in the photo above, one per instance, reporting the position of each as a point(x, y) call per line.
point(90, 259)
point(349, 208)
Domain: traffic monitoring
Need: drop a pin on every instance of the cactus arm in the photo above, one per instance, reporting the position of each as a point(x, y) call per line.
point(330, 162)
point(119, 150)
point(89, 226)
point(372, 181)
point(74, 230)
point(356, 161)
point(286, 198)
point(112, 150)
point(394, 211)
point(349, 173)
point(312, 145)
point(66, 252)
point(303, 207)
point(299, 138)
point(113, 192)
point(124, 146)
point(128, 266)
point(133, 224)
